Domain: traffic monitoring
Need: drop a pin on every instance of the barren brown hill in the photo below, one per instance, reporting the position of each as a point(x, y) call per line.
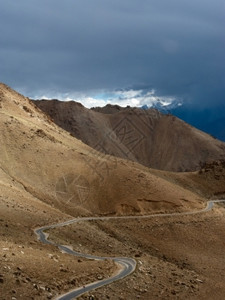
point(208, 182)
point(148, 137)
point(47, 176)
point(44, 159)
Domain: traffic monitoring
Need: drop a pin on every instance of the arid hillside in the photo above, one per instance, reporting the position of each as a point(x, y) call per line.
point(145, 136)
point(65, 173)
point(208, 182)
point(48, 176)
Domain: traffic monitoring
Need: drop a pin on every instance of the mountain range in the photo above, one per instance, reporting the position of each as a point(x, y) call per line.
point(147, 136)
point(50, 174)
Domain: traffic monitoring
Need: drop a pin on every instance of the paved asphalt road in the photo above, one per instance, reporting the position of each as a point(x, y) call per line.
point(126, 265)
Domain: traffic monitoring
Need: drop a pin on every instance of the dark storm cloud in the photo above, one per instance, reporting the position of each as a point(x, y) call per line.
point(175, 47)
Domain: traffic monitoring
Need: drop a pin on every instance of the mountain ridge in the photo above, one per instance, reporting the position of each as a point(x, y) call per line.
point(163, 141)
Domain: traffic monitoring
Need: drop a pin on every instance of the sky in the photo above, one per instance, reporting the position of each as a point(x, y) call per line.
point(126, 52)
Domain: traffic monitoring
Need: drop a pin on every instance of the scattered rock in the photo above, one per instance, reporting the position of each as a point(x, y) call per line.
point(63, 270)
point(137, 255)
point(73, 281)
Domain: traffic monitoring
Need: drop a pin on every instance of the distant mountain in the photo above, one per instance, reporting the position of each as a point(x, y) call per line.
point(147, 136)
point(166, 107)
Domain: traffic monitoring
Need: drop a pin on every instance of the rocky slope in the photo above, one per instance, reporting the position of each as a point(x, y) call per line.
point(147, 136)
point(59, 169)
point(47, 176)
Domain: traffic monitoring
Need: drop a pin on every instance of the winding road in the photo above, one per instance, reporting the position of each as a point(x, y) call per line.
point(126, 265)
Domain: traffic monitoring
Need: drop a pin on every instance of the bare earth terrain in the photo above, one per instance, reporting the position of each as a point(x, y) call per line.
point(147, 136)
point(48, 176)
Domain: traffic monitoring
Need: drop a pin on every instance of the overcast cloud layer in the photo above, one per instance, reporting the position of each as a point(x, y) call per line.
point(96, 49)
